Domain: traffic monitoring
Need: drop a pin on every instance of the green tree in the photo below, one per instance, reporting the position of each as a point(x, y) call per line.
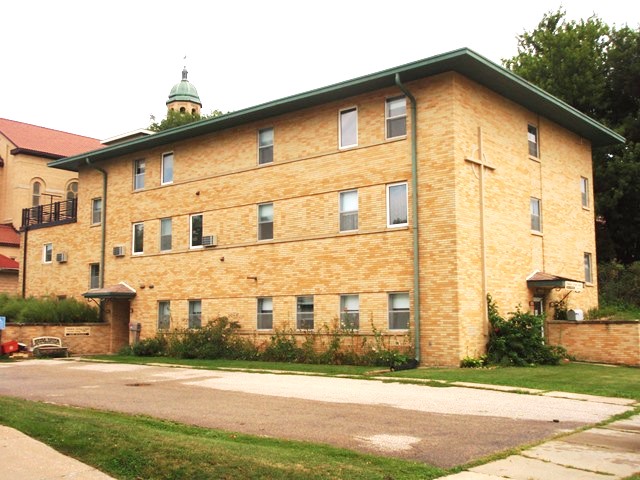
point(177, 119)
point(596, 68)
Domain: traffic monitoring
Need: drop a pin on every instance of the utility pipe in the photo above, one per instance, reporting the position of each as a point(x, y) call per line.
point(103, 222)
point(414, 212)
point(24, 261)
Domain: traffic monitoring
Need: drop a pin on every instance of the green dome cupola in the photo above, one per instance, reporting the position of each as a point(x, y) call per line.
point(184, 96)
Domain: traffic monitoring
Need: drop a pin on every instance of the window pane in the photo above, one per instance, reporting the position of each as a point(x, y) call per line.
point(349, 201)
point(138, 179)
point(265, 137)
point(195, 313)
point(398, 311)
point(35, 198)
point(265, 221)
point(348, 128)
point(350, 311)
point(96, 210)
point(72, 191)
point(399, 301)
point(265, 314)
point(164, 315)
point(396, 107)
point(584, 188)
point(536, 223)
point(94, 275)
point(533, 140)
point(587, 268)
point(196, 230)
point(167, 168)
point(138, 238)
point(396, 117)
point(304, 313)
point(165, 234)
point(396, 127)
point(265, 212)
point(398, 204)
point(47, 252)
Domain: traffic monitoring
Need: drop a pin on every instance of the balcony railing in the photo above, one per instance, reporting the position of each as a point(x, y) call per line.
point(50, 214)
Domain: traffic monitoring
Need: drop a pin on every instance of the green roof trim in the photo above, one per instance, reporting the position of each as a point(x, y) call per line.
point(464, 61)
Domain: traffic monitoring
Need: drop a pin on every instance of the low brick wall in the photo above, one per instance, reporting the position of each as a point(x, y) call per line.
point(73, 336)
point(603, 341)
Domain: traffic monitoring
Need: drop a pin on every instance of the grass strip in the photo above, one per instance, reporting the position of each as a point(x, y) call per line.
point(134, 447)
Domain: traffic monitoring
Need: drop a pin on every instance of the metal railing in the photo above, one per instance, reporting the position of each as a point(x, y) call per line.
point(50, 214)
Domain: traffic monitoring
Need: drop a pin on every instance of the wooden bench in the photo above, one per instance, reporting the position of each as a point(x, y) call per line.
point(48, 347)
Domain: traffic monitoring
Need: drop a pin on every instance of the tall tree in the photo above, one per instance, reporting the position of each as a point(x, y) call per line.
point(596, 68)
point(177, 119)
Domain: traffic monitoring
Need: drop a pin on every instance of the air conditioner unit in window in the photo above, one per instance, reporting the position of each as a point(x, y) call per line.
point(210, 241)
point(118, 251)
point(61, 257)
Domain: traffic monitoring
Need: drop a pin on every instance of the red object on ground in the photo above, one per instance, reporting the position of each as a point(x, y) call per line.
point(9, 347)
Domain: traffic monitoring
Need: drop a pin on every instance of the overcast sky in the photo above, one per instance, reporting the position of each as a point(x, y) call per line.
point(102, 68)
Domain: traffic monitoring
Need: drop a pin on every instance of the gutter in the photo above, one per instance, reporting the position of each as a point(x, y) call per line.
point(103, 223)
point(414, 212)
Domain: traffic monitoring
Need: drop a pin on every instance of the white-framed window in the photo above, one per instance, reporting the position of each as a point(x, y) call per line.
point(96, 211)
point(348, 210)
point(167, 168)
point(588, 272)
point(348, 130)
point(195, 231)
point(166, 232)
point(47, 252)
point(265, 221)
point(195, 313)
point(399, 311)
point(264, 320)
point(139, 167)
point(36, 193)
point(71, 191)
point(532, 135)
point(350, 312)
point(304, 312)
point(137, 243)
point(94, 275)
point(397, 212)
point(396, 117)
point(265, 145)
point(536, 214)
point(584, 191)
point(164, 315)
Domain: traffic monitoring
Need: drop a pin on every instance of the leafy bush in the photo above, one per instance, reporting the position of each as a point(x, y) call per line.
point(46, 310)
point(471, 362)
point(619, 285)
point(518, 340)
point(151, 347)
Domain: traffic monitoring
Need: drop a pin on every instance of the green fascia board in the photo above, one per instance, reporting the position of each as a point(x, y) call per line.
point(464, 61)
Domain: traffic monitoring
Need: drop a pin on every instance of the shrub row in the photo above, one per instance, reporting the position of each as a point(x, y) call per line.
point(46, 310)
point(219, 339)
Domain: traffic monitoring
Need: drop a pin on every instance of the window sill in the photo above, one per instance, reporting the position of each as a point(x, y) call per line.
point(586, 209)
point(537, 233)
point(395, 139)
point(398, 227)
point(348, 147)
point(535, 159)
point(589, 284)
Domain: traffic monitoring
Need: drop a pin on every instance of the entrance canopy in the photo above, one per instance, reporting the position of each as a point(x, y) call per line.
point(548, 281)
point(121, 290)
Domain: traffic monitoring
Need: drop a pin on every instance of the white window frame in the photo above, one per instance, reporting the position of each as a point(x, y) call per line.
point(342, 314)
point(340, 114)
point(299, 318)
point(133, 238)
point(536, 135)
point(388, 118)
point(161, 316)
point(94, 277)
point(588, 267)
point(47, 252)
point(170, 235)
point(348, 212)
point(390, 311)
point(139, 164)
point(260, 320)
point(584, 192)
point(36, 193)
point(162, 168)
point(260, 239)
point(194, 318)
point(406, 191)
point(261, 147)
point(191, 217)
point(535, 201)
point(94, 202)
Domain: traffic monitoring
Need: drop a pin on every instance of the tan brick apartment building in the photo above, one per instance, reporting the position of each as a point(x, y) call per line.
point(400, 198)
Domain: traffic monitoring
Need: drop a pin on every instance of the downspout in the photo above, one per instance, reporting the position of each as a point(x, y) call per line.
point(24, 261)
point(414, 212)
point(103, 223)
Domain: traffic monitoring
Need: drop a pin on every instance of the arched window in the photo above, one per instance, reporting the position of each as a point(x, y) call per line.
point(72, 190)
point(35, 194)
point(182, 110)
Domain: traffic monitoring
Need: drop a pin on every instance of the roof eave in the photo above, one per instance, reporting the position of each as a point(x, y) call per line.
point(463, 61)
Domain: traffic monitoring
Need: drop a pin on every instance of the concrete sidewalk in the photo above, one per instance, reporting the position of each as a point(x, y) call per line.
point(603, 453)
point(28, 459)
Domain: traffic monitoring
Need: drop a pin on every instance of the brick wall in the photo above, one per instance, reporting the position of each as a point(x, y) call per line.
point(598, 340)
point(95, 343)
point(9, 282)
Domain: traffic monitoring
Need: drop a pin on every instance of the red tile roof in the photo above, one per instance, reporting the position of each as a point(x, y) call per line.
point(9, 236)
point(45, 141)
point(7, 263)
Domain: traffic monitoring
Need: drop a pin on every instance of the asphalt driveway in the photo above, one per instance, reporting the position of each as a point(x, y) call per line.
point(441, 426)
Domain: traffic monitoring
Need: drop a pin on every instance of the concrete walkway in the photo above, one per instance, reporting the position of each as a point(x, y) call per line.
point(605, 453)
point(24, 458)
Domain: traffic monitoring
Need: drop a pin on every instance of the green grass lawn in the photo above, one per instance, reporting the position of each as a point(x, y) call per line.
point(609, 381)
point(137, 447)
point(584, 378)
